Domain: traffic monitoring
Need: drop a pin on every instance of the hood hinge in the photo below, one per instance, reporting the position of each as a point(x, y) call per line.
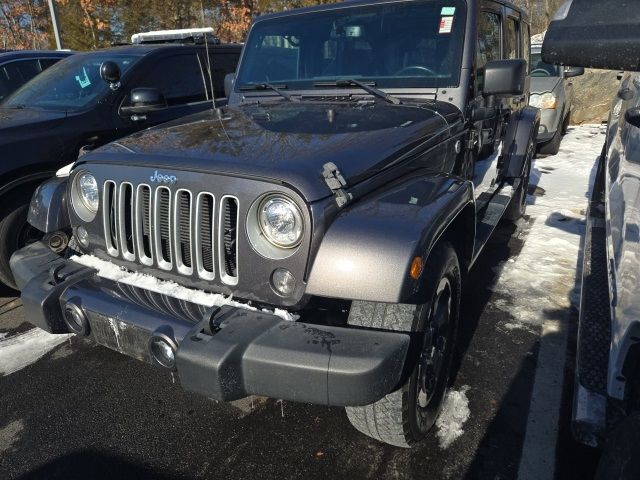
point(335, 181)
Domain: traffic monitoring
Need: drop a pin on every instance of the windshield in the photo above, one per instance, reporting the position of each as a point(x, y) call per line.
point(542, 69)
point(405, 44)
point(71, 84)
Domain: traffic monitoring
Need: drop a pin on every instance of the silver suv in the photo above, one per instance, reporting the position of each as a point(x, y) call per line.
point(552, 93)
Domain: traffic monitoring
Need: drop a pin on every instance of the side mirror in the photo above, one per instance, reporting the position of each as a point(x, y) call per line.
point(145, 100)
point(570, 72)
point(229, 80)
point(505, 78)
point(632, 117)
point(110, 73)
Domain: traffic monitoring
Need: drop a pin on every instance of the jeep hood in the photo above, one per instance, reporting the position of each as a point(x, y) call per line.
point(288, 141)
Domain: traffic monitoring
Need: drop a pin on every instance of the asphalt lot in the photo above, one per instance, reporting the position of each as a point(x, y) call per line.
point(83, 411)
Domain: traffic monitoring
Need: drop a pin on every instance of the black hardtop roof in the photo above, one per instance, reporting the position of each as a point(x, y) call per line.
point(19, 54)
point(352, 3)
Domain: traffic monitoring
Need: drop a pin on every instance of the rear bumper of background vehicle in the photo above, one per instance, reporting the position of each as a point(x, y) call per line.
point(231, 352)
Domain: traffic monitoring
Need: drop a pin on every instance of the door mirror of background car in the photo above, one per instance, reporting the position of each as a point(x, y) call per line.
point(144, 100)
point(570, 72)
point(110, 73)
point(504, 78)
point(229, 80)
point(633, 117)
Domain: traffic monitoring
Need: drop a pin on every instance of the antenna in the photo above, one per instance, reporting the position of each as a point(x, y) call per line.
point(213, 92)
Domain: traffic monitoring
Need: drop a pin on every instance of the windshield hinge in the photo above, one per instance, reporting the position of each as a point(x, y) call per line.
point(336, 182)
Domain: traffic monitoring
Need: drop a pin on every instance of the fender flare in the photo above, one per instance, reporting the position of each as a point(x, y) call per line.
point(48, 210)
point(368, 250)
point(519, 133)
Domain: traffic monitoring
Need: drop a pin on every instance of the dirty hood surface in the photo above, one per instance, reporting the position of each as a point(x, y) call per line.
point(288, 141)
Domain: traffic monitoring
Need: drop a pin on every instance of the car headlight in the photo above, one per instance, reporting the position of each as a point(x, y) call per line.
point(546, 100)
point(280, 221)
point(85, 196)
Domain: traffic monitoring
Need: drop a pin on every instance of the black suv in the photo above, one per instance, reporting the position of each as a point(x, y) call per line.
point(310, 240)
point(17, 68)
point(45, 124)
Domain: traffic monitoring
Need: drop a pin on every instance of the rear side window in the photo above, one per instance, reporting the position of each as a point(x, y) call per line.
point(489, 38)
point(511, 39)
point(179, 78)
point(47, 62)
point(15, 74)
point(221, 65)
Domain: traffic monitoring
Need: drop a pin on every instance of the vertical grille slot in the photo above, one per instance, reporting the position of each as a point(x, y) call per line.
point(143, 225)
point(229, 240)
point(162, 228)
point(125, 221)
point(205, 215)
point(109, 216)
point(182, 232)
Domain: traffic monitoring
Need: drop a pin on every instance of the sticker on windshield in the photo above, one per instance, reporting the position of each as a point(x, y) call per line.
point(446, 25)
point(84, 82)
point(448, 11)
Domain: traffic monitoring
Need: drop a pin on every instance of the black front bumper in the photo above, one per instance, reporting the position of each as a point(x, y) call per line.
point(245, 352)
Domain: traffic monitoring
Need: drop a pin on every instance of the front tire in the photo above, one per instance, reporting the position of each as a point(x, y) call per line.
point(15, 233)
point(403, 417)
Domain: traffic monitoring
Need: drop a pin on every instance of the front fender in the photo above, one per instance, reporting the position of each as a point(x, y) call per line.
point(367, 251)
point(48, 210)
point(520, 132)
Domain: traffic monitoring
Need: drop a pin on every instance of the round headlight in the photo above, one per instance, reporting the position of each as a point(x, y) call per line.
point(280, 221)
point(88, 190)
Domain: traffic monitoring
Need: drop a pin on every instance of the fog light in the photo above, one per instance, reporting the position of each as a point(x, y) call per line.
point(83, 236)
point(75, 319)
point(283, 281)
point(163, 352)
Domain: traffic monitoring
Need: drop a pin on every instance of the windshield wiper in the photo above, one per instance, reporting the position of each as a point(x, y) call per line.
point(367, 88)
point(270, 86)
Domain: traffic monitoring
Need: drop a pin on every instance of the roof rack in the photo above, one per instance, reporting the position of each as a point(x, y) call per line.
point(188, 35)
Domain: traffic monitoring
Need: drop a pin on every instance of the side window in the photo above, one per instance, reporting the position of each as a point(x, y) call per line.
point(526, 44)
point(47, 62)
point(489, 38)
point(179, 78)
point(222, 63)
point(511, 39)
point(15, 74)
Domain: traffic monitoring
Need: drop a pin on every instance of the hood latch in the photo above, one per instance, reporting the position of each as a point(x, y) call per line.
point(336, 182)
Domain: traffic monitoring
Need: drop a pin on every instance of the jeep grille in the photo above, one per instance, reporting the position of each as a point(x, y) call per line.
point(172, 230)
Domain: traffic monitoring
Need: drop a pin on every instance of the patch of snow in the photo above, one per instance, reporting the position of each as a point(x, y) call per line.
point(455, 412)
point(3, 335)
point(118, 274)
point(65, 171)
point(22, 350)
point(541, 278)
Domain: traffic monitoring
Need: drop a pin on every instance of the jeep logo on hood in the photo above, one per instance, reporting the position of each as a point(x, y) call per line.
point(160, 178)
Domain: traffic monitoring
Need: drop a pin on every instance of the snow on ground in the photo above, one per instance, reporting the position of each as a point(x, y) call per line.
point(117, 274)
point(23, 350)
point(542, 277)
point(455, 412)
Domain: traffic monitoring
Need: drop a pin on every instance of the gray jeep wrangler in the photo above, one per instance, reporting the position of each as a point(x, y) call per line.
point(310, 240)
